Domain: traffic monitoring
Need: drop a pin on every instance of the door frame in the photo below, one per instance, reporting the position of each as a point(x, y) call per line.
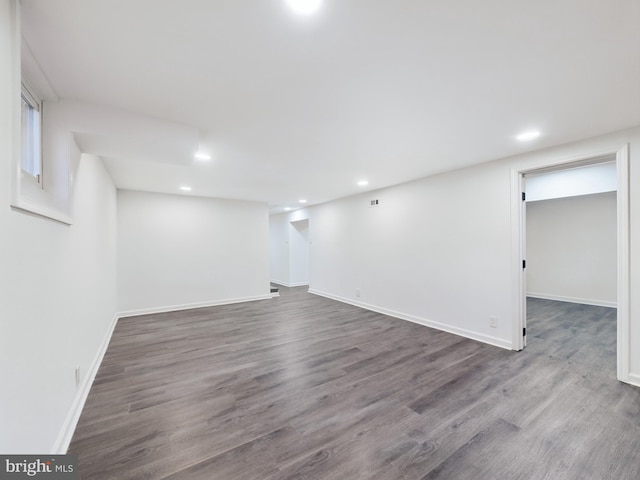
point(290, 231)
point(518, 241)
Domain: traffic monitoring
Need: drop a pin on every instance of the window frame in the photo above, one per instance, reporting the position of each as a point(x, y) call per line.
point(31, 168)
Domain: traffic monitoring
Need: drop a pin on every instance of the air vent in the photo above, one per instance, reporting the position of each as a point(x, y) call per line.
point(374, 203)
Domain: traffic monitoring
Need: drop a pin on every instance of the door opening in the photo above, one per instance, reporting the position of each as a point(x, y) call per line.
point(520, 195)
point(299, 253)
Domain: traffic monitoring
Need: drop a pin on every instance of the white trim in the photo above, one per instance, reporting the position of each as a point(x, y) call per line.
point(599, 155)
point(61, 445)
point(623, 234)
point(497, 342)
point(634, 379)
point(39, 210)
point(189, 306)
point(290, 285)
point(517, 255)
point(624, 265)
point(583, 301)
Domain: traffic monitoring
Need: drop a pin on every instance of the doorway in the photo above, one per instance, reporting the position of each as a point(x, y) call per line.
point(620, 159)
point(299, 253)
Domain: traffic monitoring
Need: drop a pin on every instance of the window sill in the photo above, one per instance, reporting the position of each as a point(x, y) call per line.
point(33, 208)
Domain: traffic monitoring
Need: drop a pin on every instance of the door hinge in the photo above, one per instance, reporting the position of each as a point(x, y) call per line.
point(524, 196)
point(524, 331)
point(524, 264)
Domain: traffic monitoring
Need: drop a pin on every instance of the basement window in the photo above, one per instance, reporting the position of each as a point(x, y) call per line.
point(31, 127)
point(42, 159)
point(43, 149)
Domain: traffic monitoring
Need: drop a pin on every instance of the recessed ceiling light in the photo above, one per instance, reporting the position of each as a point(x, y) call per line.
point(302, 201)
point(287, 209)
point(305, 7)
point(202, 156)
point(185, 188)
point(363, 183)
point(530, 135)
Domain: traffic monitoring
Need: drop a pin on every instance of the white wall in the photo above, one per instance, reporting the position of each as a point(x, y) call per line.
point(571, 249)
point(279, 248)
point(435, 251)
point(180, 251)
point(58, 303)
point(438, 250)
point(299, 253)
point(57, 288)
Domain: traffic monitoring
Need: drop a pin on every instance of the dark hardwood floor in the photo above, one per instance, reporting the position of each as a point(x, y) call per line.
point(302, 387)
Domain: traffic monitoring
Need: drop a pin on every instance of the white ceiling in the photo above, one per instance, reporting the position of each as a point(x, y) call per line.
point(297, 107)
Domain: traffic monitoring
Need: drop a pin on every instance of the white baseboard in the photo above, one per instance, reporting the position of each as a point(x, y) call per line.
point(69, 426)
point(584, 301)
point(176, 308)
point(290, 285)
point(498, 342)
point(634, 379)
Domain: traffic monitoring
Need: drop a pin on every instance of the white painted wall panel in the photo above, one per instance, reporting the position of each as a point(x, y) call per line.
point(58, 288)
point(434, 250)
point(571, 249)
point(177, 251)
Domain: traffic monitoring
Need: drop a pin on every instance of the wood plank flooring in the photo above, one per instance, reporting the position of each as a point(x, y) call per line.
point(302, 387)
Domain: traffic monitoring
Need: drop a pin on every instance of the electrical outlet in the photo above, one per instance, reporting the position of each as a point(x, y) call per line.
point(77, 375)
point(358, 293)
point(493, 322)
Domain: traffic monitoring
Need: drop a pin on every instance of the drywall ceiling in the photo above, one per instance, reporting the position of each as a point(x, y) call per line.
point(297, 107)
